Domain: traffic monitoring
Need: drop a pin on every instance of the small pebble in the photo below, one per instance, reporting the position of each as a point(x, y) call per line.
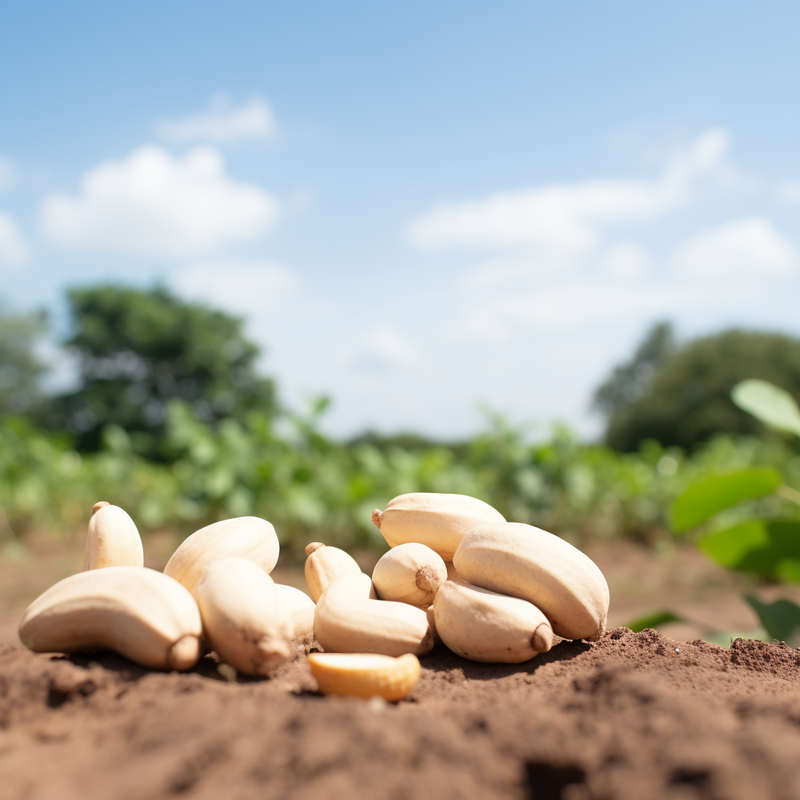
point(377, 704)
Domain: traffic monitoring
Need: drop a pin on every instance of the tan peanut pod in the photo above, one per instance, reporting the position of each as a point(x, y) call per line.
point(439, 521)
point(409, 573)
point(113, 539)
point(365, 674)
point(242, 537)
point(244, 622)
point(537, 566)
point(324, 565)
point(135, 611)
point(347, 620)
point(301, 609)
point(486, 626)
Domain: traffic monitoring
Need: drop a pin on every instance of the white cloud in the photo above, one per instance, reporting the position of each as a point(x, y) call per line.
point(521, 269)
point(624, 262)
point(151, 203)
point(382, 349)
point(240, 287)
point(8, 174)
point(566, 218)
point(743, 248)
point(14, 250)
point(221, 124)
point(789, 191)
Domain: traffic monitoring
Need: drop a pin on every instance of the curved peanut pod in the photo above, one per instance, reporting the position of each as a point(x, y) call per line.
point(242, 617)
point(439, 521)
point(301, 609)
point(324, 565)
point(486, 626)
point(137, 612)
point(365, 674)
point(409, 573)
point(348, 621)
point(242, 537)
point(113, 539)
point(526, 562)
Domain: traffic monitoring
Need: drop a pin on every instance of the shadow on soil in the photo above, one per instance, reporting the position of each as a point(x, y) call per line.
point(440, 659)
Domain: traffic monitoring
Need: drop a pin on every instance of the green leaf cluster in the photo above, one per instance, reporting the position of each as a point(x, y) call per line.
point(763, 544)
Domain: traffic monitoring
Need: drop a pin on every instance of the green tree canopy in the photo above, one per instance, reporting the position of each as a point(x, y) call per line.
point(138, 349)
point(686, 398)
point(630, 381)
point(20, 367)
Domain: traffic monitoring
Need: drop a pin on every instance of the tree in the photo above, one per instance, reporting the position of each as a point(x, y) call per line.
point(138, 350)
point(687, 396)
point(629, 382)
point(21, 368)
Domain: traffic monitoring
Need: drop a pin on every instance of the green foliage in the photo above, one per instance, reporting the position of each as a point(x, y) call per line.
point(780, 619)
point(772, 405)
point(283, 468)
point(20, 367)
point(138, 350)
point(688, 398)
point(767, 548)
point(708, 496)
point(765, 545)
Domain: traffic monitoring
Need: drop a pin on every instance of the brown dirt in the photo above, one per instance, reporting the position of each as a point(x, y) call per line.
point(637, 716)
point(633, 716)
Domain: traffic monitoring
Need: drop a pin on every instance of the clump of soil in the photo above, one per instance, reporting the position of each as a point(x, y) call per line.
point(632, 716)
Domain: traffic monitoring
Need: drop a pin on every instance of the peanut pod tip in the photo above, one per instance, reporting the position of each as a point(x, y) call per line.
point(427, 580)
point(542, 639)
point(313, 547)
point(185, 653)
point(101, 504)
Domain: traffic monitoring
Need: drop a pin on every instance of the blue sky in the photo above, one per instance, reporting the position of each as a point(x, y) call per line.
point(420, 209)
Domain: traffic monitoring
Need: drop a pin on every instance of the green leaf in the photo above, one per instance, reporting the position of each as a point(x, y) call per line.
point(653, 621)
point(768, 403)
point(770, 549)
point(707, 497)
point(780, 619)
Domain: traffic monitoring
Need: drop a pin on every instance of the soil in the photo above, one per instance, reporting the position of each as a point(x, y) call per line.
point(636, 715)
point(631, 716)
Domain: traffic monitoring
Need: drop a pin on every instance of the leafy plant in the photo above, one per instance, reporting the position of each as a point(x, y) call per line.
point(759, 539)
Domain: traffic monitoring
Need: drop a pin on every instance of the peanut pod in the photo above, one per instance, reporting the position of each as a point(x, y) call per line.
point(324, 564)
point(137, 612)
point(347, 620)
point(243, 619)
point(301, 609)
point(113, 539)
point(485, 626)
point(522, 561)
point(242, 537)
point(409, 573)
point(439, 521)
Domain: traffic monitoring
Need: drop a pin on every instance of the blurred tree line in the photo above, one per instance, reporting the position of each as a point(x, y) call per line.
point(170, 418)
point(136, 351)
point(681, 395)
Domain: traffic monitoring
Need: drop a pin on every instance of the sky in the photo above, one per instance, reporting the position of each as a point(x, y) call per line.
point(427, 211)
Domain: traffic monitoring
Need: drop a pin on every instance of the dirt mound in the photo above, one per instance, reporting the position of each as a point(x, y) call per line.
point(632, 716)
